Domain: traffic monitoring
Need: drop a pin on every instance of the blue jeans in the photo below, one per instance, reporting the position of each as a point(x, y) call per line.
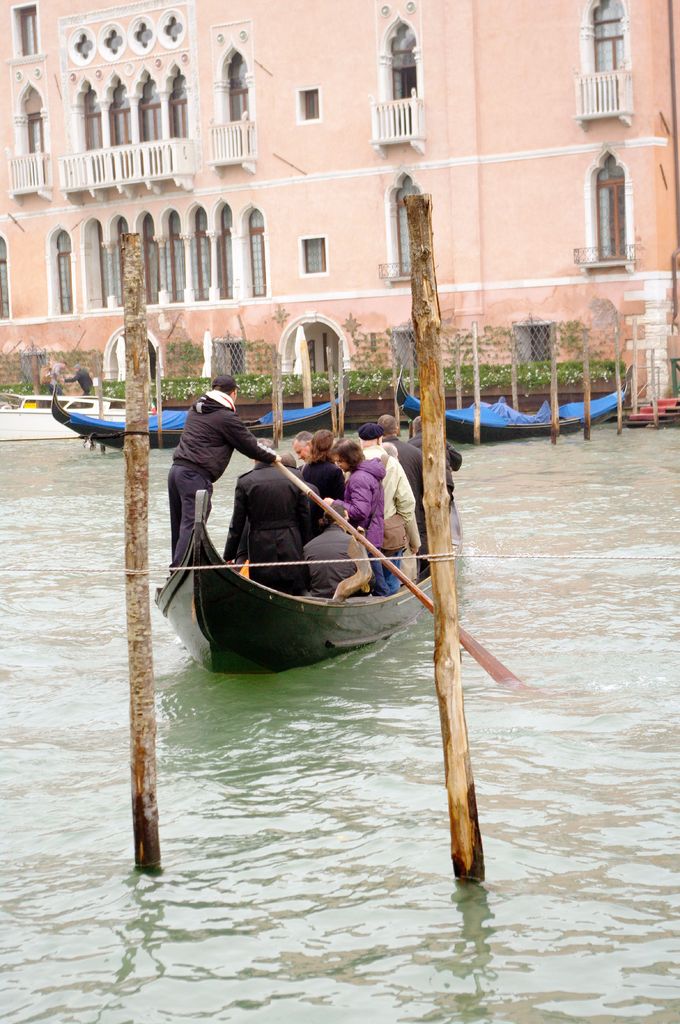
point(386, 582)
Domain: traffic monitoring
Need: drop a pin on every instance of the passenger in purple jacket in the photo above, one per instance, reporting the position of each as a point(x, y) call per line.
point(364, 498)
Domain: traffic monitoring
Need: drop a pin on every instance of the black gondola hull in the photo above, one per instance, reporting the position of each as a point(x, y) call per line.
point(114, 437)
point(233, 625)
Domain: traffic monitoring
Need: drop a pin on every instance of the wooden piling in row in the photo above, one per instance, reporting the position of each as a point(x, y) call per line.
point(554, 400)
point(586, 384)
point(466, 842)
point(138, 611)
point(476, 426)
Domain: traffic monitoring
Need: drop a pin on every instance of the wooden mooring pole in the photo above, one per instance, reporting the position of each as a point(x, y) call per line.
point(277, 411)
point(159, 398)
point(554, 400)
point(142, 696)
point(476, 424)
point(586, 384)
point(331, 391)
point(617, 375)
point(513, 371)
point(395, 379)
point(341, 396)
point(467, 853)
point(634, 384)
point(459, 377)
point(306, 370)
point(655, 392)
point(99, 389)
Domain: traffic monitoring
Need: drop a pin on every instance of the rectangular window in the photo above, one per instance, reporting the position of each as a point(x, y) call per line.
point(28, 30)
point(4, 287)
point(309, 105)
point(314, 255)
point(36, 139)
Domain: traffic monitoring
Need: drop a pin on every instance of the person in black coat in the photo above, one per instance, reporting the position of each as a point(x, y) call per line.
point(330, 544)
point(321, 473)
point(211, 433)
point(80, 376)
point(276, 515)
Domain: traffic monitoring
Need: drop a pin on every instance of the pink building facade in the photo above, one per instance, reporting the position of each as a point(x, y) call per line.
point(263, 151)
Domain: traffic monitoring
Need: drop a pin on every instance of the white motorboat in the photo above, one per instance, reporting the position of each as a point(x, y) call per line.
point(29, 417)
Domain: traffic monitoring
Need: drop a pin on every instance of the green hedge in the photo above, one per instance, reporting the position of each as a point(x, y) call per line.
point(530, 377)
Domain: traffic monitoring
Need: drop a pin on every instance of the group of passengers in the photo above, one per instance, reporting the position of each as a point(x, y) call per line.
point(277, 534)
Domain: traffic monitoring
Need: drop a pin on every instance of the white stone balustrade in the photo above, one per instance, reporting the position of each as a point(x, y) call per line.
point(605, 94)
point(144, 163)
point(233, 143)
point(31, 172)
point(395, 121)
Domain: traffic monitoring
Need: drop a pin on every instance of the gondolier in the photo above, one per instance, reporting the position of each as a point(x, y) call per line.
point(212, 431)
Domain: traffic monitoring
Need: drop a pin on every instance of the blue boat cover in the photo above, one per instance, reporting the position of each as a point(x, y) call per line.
point(500, 414)
point(174, 420)
point(296, 414)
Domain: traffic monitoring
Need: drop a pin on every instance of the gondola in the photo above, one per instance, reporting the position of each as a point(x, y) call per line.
point(500, 422)
point(231, 624)
point(111, 433)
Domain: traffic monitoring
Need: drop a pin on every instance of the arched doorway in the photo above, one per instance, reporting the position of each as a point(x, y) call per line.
point(114, 356)
point(323, 337)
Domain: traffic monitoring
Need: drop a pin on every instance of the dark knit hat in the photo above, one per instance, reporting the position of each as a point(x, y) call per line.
point(370, 431)
point(224, 383)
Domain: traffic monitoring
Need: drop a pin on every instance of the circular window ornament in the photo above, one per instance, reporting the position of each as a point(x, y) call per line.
point(82, 47)
point(410, 6)
point(172, 30)
point(385, 10)
point(142, 36)
point(112, 42)
point(243, 35)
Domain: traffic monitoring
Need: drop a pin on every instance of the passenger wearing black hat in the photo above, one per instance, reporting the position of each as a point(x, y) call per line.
point(211, 433)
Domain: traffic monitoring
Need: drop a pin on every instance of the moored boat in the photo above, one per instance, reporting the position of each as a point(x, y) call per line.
point(500, 422)
point(229, 623)
point(112, 433)
point(29, 417)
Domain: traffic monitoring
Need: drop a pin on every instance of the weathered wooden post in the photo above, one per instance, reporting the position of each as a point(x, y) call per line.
point(98, 369)
point(395, 380)
point(634, 376)
point(467, 853)
point(655, 393)
point(159, 399)
point(341, 396)
point(331, 392)
point(142, 697)
point(554, 406)
point(586, 385)
point(35, 370)
point(276, 414)
point(513, 371)
point(476, 426)
point(459, 376)
point(617, 377)
point(306, 370)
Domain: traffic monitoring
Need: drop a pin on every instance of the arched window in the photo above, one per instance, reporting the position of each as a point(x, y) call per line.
point(150, 113)
point(4, 281)
point(611, 211)
point(151, 267)
point(93, 120)
point(403, 251)
point(119, 116)
point(225, 265)
point(200, 256)
point(404, 76)
point(64, 273)
point(34, 122)
point(608, 31)
point(238, 88)
point(175, 259)
point(116, 268)
point(258, 272)
point(179, 125)
point(93, 253)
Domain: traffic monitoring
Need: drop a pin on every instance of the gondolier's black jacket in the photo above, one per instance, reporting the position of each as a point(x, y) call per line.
point(210, 435)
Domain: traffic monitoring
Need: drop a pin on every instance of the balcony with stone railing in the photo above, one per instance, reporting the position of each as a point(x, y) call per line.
point(127, 167)
point(602, 257)
point(30, 173)
point(234, 143)
point(398, 121)
point(604, 94)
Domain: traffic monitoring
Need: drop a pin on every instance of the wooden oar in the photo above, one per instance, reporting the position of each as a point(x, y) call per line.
point(492, 665)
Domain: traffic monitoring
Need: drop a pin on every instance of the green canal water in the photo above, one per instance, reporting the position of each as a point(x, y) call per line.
point(303, 819)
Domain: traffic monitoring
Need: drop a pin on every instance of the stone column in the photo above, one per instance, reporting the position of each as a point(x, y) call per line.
point(189, 294)
point(163, 292)
point(106, 125)
point(110, 257)
point(214, 290)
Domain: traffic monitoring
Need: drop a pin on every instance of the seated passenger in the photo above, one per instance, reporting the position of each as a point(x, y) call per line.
point(331, 543)
point(364, 498)
point(277, 517)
